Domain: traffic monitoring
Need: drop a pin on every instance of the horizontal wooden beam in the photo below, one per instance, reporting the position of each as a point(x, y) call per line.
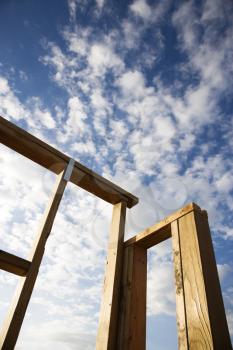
point(161, 231)
point(50, 158)
point(14, 264)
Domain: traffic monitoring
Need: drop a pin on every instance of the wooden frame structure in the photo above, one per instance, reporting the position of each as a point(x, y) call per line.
point(66, 170)
point(201, 316)
point(201, 319)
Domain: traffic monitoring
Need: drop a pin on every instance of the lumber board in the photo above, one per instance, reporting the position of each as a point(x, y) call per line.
point(13, 264)
point(125, 298)
point(179, 289)
point(132, 318)
point(205, 315)
point(198, 323)
point(217, 316)
point(107, 331)
point(160, 231)
point(52, 159)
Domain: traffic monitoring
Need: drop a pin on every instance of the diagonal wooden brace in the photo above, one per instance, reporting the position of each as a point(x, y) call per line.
point(13, 322)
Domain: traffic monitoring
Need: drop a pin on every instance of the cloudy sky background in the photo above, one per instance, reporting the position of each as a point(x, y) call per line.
point(140, 92)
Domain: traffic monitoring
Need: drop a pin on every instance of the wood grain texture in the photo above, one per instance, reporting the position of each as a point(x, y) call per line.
point(13, 264)
point(201, 289)
point(217, 316)
point(199, 331)
point(132, 321)
point(179, 287)
point(45, 155)
point(13, 322)
point(201, 316)
point(125, 299)
point(107, 331)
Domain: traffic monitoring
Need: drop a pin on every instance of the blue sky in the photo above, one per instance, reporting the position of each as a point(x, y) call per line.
point(141, 92)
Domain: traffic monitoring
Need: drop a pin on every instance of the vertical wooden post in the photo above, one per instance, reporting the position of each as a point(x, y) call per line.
point(13, 322)
point(201, 316)
point(107, 331)
point(179, 287)
point(132, 321)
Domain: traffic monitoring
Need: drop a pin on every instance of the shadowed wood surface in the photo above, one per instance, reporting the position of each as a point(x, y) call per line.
point(132, 320)
point(107, 331)
point(45, 155)
point(217, 316)
point(125, 297)
point(201, 319)
point(13, 264)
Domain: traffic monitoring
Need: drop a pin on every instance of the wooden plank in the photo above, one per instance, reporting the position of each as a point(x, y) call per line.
point(160, 231)
point(218, 321)
point(45, 155)
point(206, 324)
point(125, 299)
point(137, 332)
point(199, 332)
point(13, 264)
point(13, 322)
point(107, 331)
point(179, 286)
point(132, 321)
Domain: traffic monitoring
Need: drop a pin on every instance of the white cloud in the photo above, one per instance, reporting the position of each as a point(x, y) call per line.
point(224, 270)
point(72, 5)
point(141, 8)
point(45, 118)
point(100, 3)
point(57, 58)
point(32, 111)
point(164, 127)
point(149, 13)
point(215, 10)
point(102, 58)
point(225, 182)
point(131, 34)
point(210, 60)
point(23, 75)
point(78, 41)
point(197, 106)
point(161, 291)
point(19, 201)
point(230, 322)
point(119, 128)
point(100, 103)
point(87, 147)
point(76, 109)
point(10, 105)
point(57, 334)
point(75, 125)
point(64, 67)
point(4, 86)
point(132, 83)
